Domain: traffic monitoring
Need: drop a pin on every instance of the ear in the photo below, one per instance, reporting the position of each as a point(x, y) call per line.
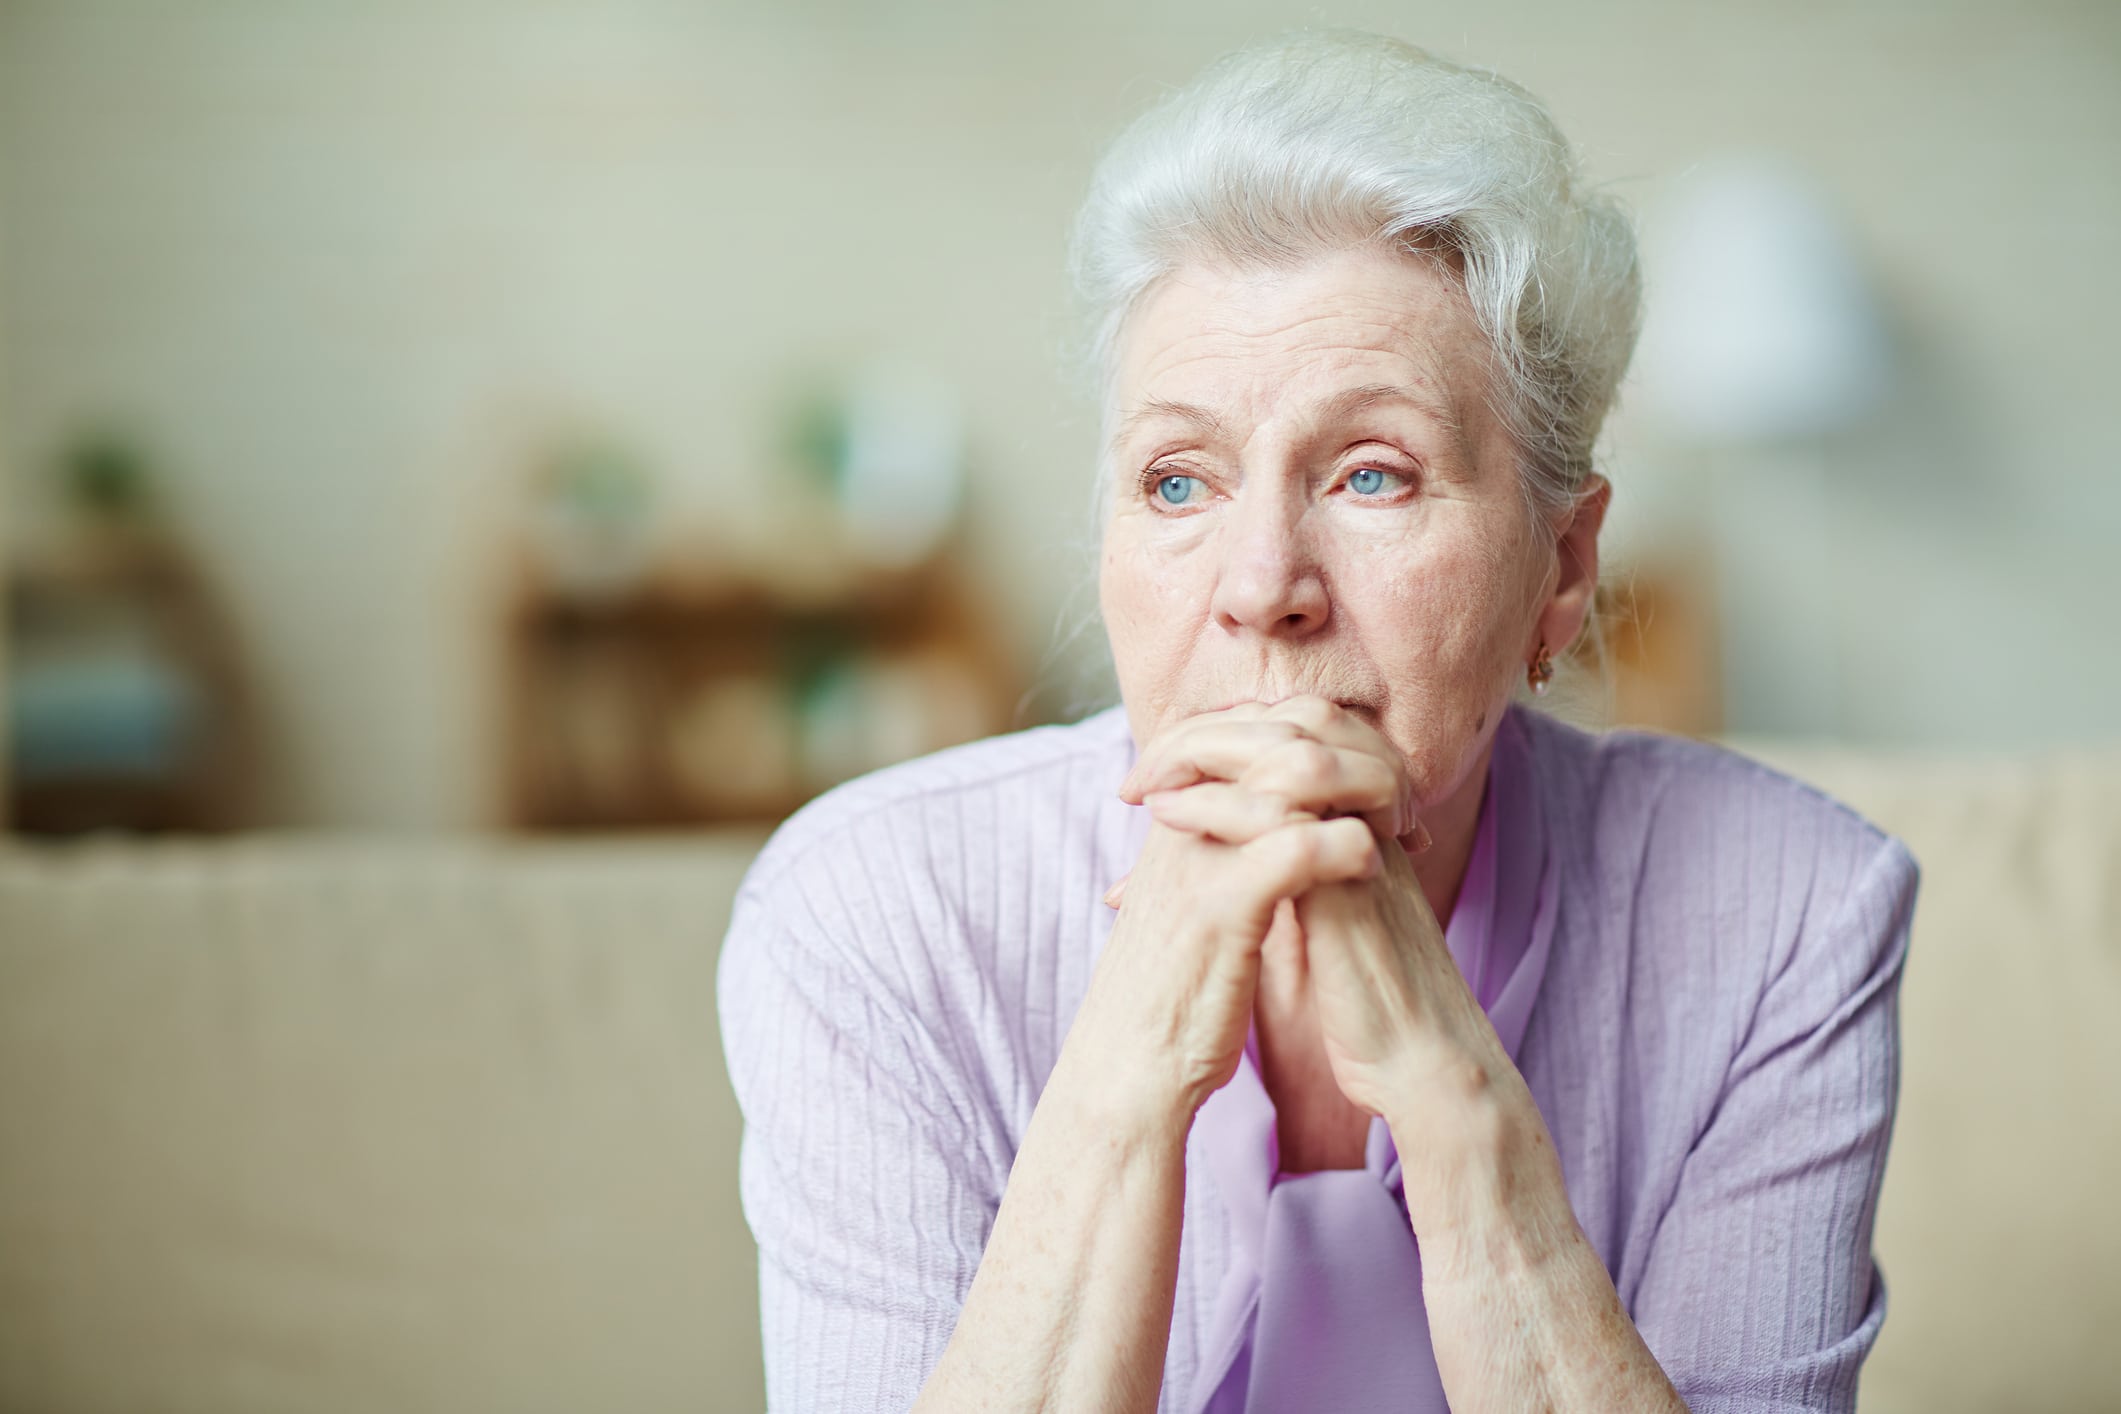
point(1568, 604)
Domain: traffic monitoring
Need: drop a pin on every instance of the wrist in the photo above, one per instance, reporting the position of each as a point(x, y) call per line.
point(1483, 1187)
point(1107, 1103)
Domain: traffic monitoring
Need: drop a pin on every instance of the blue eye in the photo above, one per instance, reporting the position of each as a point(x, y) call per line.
point(1370, 480)
point(1177, 490)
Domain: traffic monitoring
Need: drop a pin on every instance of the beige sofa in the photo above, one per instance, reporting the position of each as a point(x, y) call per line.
point(336, 1125)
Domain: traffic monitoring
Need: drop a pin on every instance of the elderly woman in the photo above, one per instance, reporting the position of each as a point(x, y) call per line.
point(1325, 1030)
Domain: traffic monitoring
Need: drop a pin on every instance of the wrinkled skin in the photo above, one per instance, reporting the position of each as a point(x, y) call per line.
point(1321, 584)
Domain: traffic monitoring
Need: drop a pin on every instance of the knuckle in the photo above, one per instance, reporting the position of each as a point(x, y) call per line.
point(1309, 711)
point(1273, 805)
point(1284, 851)
point(1342, 844)
point(1310, 759)
point(1350, 833)
point(1307, 847)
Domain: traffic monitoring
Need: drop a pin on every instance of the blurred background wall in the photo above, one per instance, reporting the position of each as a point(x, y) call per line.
point(421, 417)
point(344, 274)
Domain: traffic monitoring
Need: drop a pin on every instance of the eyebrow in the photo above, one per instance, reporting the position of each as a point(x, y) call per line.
point(1346, 403)
point(1370, 395)
point(1160, 410)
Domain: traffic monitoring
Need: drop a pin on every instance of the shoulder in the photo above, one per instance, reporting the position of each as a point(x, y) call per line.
point(1714, 913)
point(932, 810)
point(932, 921)
point(1689, 793)
point(1714, 857)
point(966, 884)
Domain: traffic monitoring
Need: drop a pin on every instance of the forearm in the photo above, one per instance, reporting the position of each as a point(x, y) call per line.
point(1522, 1314)
point(1071, 1306)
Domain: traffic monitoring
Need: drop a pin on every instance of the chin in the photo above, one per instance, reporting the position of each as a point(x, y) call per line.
point(1440, 767)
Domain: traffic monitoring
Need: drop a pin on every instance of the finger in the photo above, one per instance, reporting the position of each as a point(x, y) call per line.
point(1219, 750)
point(1310, 714)
point(1327, 721)
point(1219, 810)
point(1320, 717)
point(1216, 745)
point(1276, 756)
point(1330, 722)
point(1336, 780)
point(1118, 890)
point(1179, 757)
point(1285, 863)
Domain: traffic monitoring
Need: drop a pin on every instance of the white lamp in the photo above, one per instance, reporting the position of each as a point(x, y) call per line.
point(1762, 339)
point(1761, 325)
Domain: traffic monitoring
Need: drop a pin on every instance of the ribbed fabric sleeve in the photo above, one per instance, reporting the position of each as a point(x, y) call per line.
point(1714, 1048)
point(893, 991)
point(1776, 1199)
point(861, 1170)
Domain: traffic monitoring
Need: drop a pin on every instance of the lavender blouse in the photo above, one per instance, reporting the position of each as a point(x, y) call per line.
point(1694, 960)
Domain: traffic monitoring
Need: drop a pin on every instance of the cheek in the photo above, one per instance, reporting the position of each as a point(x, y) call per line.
point(1440, 627)
point(1143, 629)
point(1142, 606)
point(1427, 614)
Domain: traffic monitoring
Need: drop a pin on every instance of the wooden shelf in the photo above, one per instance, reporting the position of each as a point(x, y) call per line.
point(688, 702)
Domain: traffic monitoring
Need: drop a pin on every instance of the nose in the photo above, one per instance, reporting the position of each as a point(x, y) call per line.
point(1269, 581)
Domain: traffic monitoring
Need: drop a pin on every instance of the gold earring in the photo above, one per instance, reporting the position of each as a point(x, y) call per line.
point(1541, 672)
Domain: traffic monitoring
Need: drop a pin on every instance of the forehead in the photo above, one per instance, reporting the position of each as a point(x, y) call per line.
point(1248, 343)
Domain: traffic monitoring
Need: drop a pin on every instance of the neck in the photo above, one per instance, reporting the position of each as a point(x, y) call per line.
point(1452, 822)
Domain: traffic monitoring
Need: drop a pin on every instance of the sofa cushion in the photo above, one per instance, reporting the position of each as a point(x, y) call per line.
point(331, 1125)
point(341, 1125)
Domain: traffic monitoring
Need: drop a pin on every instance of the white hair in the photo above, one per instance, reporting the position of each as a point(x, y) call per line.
point(1322, 141)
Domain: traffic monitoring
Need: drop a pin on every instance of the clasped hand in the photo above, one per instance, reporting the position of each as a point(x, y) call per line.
point(1263, 813)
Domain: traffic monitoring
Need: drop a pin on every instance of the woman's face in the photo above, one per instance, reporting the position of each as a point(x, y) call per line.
point(1311, 495)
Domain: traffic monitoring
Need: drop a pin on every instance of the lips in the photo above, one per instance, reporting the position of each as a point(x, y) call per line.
point(1368, 711)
